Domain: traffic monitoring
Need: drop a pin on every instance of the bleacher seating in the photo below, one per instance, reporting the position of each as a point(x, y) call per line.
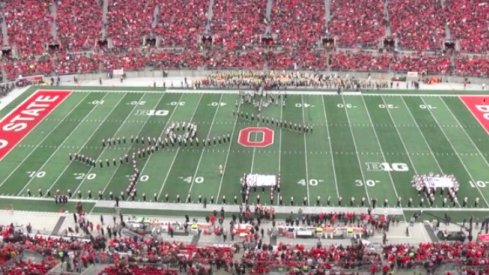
point(357, 23)
point(181, 23)
point(79, 24)
point(417, 30)
point(468, 23)
point(28, 25)
point(128, 22)
point(236, 29)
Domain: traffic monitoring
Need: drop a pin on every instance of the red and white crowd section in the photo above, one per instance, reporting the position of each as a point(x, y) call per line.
point(236, 28)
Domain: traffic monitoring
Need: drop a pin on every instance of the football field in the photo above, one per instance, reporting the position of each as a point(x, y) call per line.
point(368, 146)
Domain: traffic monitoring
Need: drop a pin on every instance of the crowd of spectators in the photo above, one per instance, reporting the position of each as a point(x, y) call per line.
point(29, 25)
point(128, 22)
point(142, 255)
point(298, 24)
point(181, 23)
point(417, 30)
point(357, 24)
point(431, 255)
point(467, 21)
point(238, 24)
point(79, 24)
point(236, 29)
point(468, 66)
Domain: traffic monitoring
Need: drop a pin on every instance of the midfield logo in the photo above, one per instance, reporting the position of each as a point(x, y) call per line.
point(387, 167)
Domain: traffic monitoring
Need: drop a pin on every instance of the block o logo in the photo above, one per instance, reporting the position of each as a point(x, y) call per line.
point(265, 133)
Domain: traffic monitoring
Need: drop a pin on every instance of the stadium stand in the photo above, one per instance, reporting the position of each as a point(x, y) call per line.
point(176, 28)
point(417, 30)
point(358, 24)
point(79, 24)
point(28, 25)
point(236, 30)
point(127, 25)
point(468, 23)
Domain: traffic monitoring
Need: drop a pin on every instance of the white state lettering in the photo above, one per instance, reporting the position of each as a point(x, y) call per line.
point(3, 143)
point(16, 127)
point(20, 118)
point(37, 105)
point(32, 112)
point(482, 108)
point(46, 98)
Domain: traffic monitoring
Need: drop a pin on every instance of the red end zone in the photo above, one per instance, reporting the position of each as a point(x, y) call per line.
point(17, 125)
point(479, 107)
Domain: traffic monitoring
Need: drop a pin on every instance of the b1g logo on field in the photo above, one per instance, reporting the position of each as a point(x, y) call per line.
point(263, 137)
point(387, 167)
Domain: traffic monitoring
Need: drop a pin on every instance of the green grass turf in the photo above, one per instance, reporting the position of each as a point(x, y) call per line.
point(432, 133)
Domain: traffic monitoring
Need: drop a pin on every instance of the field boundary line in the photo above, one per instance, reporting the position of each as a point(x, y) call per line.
point(130, 147)
point(470, 138)
point(66, 167)
point(40, 142)
point(358, 158)
point(381, 150)
point(330, 148)
point(204, 149)
point(178, 150)
point(453, 147)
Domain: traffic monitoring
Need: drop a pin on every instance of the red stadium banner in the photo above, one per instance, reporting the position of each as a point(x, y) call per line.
point(17, 125)
point(479, 107)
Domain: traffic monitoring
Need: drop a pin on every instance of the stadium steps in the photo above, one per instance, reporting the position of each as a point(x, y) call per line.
point(4, 26)
point(94, 269)
point(105, 9)
point(195, 239)
point(58, 225)
point(327, 11)
point(430, 232)
point(388, 31)
point(210, 15)
point(54, 15)
point(156, 15)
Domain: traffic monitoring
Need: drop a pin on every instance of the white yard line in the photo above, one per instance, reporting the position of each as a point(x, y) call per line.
point(280, 138)
point(178, 150)
point(355, 145)
point(381, 150)
point(130, 147)
point(305, 152)
point(40, 142)
point(204, 149)
point(229, 150)
point(469, 138)
point(280, 141)
point(66, 167)
point(424, 138)
point(422, 135)
point(400, 137)
point(162, 132)
point(330, 148)
point(105, 148)
point(453, 147)
point(57, 149)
